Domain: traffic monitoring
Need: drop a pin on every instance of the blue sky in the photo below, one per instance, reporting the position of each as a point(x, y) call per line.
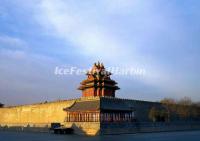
point(161, 36)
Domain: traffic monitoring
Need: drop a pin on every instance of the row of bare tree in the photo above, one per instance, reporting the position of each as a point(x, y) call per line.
point(184, 109)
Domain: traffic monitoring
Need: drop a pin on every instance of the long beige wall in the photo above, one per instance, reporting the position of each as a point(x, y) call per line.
point(35, 114)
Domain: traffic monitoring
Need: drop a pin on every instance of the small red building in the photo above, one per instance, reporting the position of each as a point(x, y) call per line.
point(98, 82)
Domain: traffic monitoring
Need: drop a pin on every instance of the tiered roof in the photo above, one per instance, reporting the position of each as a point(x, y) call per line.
point(98, 77)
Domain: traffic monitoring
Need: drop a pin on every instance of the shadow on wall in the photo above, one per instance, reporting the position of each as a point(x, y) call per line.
point(85, 131)
point(28, 128)
point(79, 128)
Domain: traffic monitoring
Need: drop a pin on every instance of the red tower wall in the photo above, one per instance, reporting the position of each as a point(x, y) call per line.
point(89, 92)
point(98, 92)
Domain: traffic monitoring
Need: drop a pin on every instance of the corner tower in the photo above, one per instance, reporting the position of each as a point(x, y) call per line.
point(98, 82)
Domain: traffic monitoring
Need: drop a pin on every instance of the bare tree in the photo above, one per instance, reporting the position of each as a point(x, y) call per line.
point(186, 101)
point(153, 114)
point(170, 106)
point(184, 108)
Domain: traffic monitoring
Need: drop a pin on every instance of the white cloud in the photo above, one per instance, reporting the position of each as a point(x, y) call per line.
point(12, 47)
point(15, 54)
point(80, 28)
point(119, 6)
point(8, 41)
